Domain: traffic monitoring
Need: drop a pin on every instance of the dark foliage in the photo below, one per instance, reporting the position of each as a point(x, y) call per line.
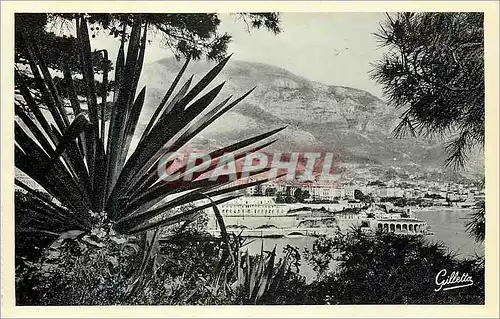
point(389, 269)
point(187, 35)
point(29, 244)
point(476, 227)
point(434, 71)
point(194, 34)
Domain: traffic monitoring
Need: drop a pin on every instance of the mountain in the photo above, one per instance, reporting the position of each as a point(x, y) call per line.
point(352, 123)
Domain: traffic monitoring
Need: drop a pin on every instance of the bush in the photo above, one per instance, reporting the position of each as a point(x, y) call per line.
point(386, 268)
point(189, 269)
point(78, 269)
point(96, 269)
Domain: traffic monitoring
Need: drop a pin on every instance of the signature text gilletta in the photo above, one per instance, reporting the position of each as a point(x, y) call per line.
point(453, 281)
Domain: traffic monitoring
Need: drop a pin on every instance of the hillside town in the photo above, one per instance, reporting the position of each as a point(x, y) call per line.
point(282, 208)
point(419, 193)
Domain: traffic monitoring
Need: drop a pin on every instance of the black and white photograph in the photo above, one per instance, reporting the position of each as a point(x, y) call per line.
point(249, 158)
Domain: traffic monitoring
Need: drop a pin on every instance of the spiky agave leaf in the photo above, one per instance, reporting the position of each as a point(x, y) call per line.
point(94, 171)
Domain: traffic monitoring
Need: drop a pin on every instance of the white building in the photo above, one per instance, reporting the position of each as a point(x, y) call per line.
point(349, 192)
point(253, 206)
point(320, 192)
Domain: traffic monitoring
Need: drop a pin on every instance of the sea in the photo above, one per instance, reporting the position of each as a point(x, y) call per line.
point(448, 227)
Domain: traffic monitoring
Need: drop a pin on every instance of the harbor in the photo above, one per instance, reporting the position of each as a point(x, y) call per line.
point(262, 217)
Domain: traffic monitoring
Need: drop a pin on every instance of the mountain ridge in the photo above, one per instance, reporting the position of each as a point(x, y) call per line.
point(351, 122)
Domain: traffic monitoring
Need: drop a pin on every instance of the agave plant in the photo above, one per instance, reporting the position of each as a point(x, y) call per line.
point(253, 276)
point(90, 167)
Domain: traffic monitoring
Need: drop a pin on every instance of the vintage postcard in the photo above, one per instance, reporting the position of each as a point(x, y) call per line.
point(249, 159)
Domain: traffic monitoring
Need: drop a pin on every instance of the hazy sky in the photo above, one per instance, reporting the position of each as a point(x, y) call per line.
point(333, 48)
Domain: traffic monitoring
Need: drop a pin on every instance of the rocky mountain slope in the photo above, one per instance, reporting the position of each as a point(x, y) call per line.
point(349, 122)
